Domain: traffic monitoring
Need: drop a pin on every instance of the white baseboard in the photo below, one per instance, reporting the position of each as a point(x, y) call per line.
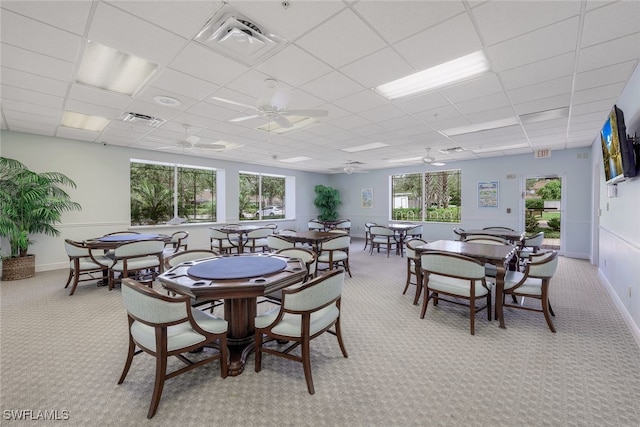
point(633, 328)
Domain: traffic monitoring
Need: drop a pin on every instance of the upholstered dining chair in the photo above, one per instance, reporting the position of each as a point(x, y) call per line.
point(310, 260)
point(412, 255)
point(367, 234)
point(498, 228)
point(383, 237)
point(315, 225)
point(220, 241)
point(81, 266)
point(335, 252)
point(275, 242)
point(534, 283)
point(163, 326)
point(489, 269)
point(344, 224)
point(307, 311)
point(257, 239)
point(456, 276)
point(193, 255)
point(179, 242)
point(142, 258)
point(530, 245)
point(458, 232)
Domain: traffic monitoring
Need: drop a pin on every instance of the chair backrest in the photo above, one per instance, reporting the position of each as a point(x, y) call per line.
point(542, 265)
point(315, 225)
point(273, 226)
point(534, 241)
point(379, 230)
point(217, 234)
point(340, 242)
point(121, 232)
point(151, 307)
point(189, 255)
point(452, 265)
point(415, 231)
point(334, 231)
point(287, 232)
point(179, 239)
point(277, 242)
point(139, 248)
point(75, 249)
point(499, 228)
point(307, 256)
point(315, 294)
point(344, 224)
point(259, 233)
point(489, 240)
point(411, 247)
point(458, 232)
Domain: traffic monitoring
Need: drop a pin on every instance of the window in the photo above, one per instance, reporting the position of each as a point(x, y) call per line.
point(261, 196)
point(163, 193)
point(428, 196)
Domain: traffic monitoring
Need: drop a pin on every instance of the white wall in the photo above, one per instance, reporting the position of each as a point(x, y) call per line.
point(619, 222)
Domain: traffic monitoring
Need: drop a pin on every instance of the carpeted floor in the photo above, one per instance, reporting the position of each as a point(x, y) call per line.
point(65, 354)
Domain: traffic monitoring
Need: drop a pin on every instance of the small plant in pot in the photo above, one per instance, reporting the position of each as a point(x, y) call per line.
point(327, 201)
point(30, 203)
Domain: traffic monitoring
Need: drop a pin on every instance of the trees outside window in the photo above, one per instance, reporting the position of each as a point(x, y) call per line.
point(427, 196)
point(164, 193)
point(261, 196)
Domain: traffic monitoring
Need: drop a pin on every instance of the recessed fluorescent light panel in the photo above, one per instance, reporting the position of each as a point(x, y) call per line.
point(75, 120)
point(541, 116)
point(440, 75)
point(365, 147)
point(477, 127)
point(109, 69)
point(295, 159)
point(406, 159)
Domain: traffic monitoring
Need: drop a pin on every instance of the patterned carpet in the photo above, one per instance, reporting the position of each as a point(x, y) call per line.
point(65, 354)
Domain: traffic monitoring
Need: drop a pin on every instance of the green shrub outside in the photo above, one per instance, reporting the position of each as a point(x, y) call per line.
point(554, 224)
point(534, 203)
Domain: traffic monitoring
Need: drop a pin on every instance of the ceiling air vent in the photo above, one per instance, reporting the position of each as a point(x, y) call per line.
point(141, 119)
point(239, 37)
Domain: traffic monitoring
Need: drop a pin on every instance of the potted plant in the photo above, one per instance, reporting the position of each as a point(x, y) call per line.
point(30, 203)
point(327, 201)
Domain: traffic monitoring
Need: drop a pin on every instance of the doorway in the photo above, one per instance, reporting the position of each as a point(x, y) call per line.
point(542, 209)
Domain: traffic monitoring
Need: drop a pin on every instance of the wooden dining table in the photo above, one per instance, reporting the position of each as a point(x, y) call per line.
point(498, 255)
point(314, 238)
point(512, 236)
point(240, 230)
point(112, 241)
point(238, 279)
point(401, 231)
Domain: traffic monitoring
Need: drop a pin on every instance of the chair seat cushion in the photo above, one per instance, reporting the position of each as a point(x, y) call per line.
point(137, 263)
point(258, 242)
point(181, 335)
point(87, 264)
point(454, 286)
point(337, 256)
point(290, 325)
point(383, 240)
point(532, 286)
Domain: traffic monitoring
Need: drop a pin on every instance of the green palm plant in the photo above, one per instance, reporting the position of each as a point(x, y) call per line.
point(30, 203)
point(327, 201)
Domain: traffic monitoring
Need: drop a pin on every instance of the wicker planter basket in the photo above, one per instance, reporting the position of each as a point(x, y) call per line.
point(17, 268)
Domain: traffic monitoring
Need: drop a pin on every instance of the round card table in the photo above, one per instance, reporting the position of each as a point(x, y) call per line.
point(238, 280)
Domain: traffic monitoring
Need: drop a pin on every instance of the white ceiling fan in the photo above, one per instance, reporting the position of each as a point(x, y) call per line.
point(190, 141)
point(274, 108)
point(351, 166)
point(429, 160)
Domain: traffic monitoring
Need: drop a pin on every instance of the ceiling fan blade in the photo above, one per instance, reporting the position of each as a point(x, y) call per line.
point(228, 101)
point(306, 113)
point(243, 118)
point(280, 99)
point(192, 139)
point(282, 121)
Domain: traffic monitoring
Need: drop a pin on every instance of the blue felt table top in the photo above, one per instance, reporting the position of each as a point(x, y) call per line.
point(242, 267)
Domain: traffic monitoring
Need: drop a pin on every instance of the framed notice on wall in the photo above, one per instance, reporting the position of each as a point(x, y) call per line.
point(488, 194)
point(366, 198)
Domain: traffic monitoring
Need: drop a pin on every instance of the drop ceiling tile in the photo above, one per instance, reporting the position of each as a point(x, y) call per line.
point(207, 65)
point(485, 103)
point(26, 116)
point(33, 82)
point(548, 69)
point(361, 101)
point(491, 115)
point(31, 97)
point(499, 21)
point(387, 63)
point(29, 34)
point(424, 50)
point(412, 17)
point(92, 109)
point(79, 134)
point(609, 53)
point(472, 89)
point(605, 75)
point(32, 127)
point(354, 38)
point(307, 66)
point(183, 84)
point(540, 90)
point(610, 22)
point(96, 96)
point(36, 63)
point(36, 110)
point(544, 43)
point(332, 86)
point(544, 104)
point(422, 102)
point(603, 107)
point(598, 93)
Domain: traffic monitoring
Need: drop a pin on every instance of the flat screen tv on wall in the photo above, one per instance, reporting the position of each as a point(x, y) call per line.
point(617, 150)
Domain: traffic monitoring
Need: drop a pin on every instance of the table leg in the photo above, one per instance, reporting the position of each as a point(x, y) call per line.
point(240, 313)
point(418, 267)
point(499, 291)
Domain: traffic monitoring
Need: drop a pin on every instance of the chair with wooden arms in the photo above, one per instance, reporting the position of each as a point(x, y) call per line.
point(220, 241)
point(307, 311)
point(458, 232)
point(533, 282)
point(335, 252)
point(410, 246)
point(163, 326)
point(383, 237)
point(344, 224)
point(530, 245)
point(310, 260)
point(257, 239)
point(498, 228)
point(179, 242)
point(456, 276)
point(193, 255)
point(140, 258)
point(315, 225)
point(490, 269)
point(275, 242)
point(82, 266)
point(367, 234)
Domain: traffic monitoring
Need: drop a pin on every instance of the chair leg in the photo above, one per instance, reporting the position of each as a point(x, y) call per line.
point(408, 282)
point(158, 386)
point(339, 336)
point(546, 311)
point(69, 278)
point(306, 363)
point(76, 279)
point(127, 364)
